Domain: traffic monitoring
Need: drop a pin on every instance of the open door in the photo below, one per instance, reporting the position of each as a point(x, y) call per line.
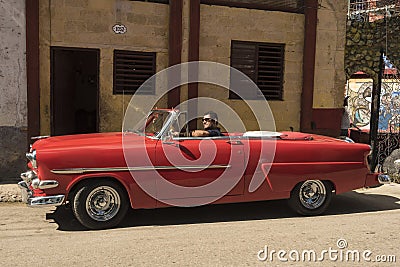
point(74, 90)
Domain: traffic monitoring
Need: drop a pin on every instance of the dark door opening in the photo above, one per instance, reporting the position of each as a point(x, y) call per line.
point(74, 90)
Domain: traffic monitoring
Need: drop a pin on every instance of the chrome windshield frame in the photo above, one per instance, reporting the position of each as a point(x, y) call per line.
point(173, 115)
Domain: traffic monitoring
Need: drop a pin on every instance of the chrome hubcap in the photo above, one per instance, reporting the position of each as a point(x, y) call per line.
point(312, 194)
point(103, 203)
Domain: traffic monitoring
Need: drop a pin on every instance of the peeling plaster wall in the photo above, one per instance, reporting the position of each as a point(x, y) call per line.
point(330, 79)
point(13, 95)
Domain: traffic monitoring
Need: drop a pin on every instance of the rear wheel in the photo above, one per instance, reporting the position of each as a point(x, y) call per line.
point(311, 197)
point(100, 204)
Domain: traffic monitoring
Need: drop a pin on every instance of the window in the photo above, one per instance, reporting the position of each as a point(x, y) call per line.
point(293, 6)
point(263, 63)
point(131, 70)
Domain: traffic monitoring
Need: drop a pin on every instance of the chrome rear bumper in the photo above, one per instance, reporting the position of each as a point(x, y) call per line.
point(384, 179)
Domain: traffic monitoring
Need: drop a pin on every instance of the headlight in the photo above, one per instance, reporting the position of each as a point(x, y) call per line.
point(32, 158)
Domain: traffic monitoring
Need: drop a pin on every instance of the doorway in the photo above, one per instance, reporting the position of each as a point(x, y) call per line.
point(74, 90)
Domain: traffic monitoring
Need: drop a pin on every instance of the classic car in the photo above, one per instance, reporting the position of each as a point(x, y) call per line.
point(158, 164)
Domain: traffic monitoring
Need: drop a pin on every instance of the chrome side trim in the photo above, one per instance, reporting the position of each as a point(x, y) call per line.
point(124, 169)
point(40, 137)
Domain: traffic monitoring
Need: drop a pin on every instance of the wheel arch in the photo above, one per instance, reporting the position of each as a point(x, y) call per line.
point(74, 187)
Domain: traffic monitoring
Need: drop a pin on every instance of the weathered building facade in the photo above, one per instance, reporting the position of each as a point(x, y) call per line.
point(13, 93)
point(205, 30)
point(74, 79)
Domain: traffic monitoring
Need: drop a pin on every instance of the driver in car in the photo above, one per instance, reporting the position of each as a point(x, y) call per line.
point(210, 123)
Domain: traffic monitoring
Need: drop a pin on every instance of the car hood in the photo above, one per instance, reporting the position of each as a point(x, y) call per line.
point(97, 150)
point(84, 141)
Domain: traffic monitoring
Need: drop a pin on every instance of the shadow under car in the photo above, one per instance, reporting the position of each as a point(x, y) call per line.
point(346, 203)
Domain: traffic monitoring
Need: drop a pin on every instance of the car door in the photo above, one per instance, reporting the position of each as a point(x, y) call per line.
point(193, 167)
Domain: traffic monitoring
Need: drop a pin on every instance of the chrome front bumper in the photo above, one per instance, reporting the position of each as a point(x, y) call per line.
point(30, 179)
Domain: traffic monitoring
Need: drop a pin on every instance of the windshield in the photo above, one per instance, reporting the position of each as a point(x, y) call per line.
point(153, 123)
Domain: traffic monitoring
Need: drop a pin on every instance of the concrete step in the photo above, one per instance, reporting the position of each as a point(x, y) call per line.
point(10, 193)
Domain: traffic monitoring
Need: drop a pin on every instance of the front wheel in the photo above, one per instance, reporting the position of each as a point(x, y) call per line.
point(100, 204)
point(311, 197)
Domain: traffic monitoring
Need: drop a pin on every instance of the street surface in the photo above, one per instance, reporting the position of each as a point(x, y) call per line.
point(362, 223)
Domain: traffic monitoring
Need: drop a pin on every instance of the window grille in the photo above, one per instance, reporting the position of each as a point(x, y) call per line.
point(131, 70)
point(263, 63)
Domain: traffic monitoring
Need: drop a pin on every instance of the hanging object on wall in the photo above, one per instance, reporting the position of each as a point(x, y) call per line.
point(119, 29)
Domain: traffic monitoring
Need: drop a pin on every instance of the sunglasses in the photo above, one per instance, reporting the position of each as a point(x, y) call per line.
point(206, 119)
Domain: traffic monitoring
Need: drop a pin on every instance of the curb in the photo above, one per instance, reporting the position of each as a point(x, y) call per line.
point(10, 193)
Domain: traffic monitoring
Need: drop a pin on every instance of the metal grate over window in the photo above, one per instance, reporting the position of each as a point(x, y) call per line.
point(131, 70)
point(154, 1)
point(263, 63)
point(293, 6)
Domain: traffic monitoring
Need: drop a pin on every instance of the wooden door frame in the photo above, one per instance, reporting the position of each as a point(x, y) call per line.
point(79, 49)
point(32, 68)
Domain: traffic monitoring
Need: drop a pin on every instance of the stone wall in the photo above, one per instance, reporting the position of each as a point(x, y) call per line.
point(365, 41)
point(13, 100)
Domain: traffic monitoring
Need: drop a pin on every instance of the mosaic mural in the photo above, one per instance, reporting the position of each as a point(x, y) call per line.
point(360, 96)
point(359, 93)
point(359, 99)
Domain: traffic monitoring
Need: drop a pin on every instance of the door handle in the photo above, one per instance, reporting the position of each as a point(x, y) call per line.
point(169, 143)
point(235, 142)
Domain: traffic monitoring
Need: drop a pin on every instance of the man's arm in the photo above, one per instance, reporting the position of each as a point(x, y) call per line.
point(200, 133)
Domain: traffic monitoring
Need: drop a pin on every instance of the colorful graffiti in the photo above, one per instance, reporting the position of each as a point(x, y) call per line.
point(360, 97)
point(359, 101)
point(359, 92)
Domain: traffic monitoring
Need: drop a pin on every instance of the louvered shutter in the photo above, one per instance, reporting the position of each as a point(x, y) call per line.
point(131, 70)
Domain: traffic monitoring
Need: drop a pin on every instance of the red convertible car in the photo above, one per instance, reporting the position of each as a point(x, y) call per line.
point(158, 164)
